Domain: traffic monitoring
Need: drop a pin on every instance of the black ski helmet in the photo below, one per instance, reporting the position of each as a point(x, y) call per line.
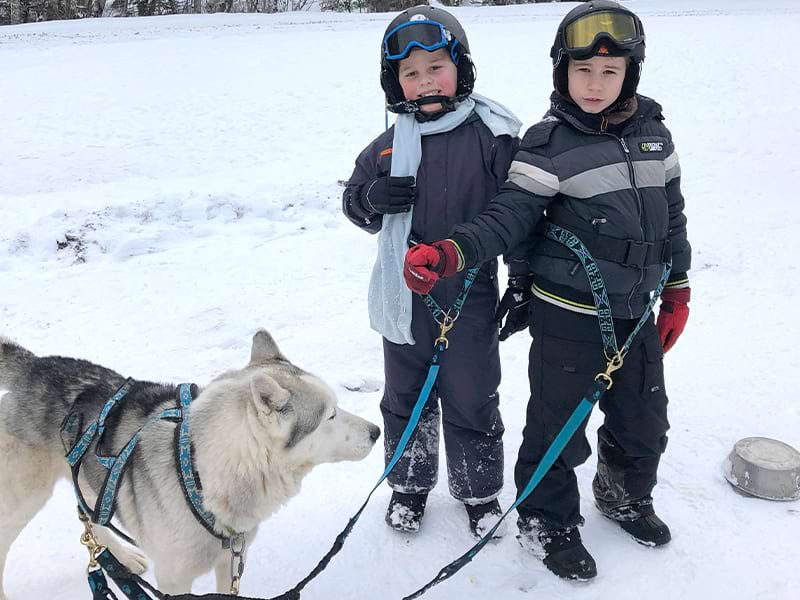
point(627, 40)
point(455, 41)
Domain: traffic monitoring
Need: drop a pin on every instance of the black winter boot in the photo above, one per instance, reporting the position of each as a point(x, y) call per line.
point(649, 530)
point(562, 550)
point(405, 511)
point(482, 518)
point(640, 521)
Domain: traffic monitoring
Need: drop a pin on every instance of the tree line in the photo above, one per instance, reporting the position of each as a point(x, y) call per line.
point(32, 11)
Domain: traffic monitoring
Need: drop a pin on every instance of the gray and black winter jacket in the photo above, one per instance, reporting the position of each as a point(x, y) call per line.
point(617, 188)
point(460, 172)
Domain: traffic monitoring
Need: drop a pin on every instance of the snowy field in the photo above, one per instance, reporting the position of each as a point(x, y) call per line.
point(168, 185)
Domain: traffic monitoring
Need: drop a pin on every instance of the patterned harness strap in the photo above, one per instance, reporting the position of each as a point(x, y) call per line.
point(190, 480)
point(116, 465)
point(69, 427)
point(101, 559)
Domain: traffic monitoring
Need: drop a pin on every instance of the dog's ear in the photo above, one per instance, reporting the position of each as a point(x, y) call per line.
point(264, 348)
point(267, 392)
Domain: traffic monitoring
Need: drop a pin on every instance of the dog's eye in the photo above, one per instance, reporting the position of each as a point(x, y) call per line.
point(333, 416)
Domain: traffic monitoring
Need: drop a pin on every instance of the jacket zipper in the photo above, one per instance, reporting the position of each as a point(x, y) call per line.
point(640, 206)
point(603, 125)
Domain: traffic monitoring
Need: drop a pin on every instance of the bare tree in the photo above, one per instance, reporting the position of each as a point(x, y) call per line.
point(7, 13)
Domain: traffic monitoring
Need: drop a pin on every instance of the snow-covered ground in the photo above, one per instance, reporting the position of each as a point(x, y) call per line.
point(189, 165)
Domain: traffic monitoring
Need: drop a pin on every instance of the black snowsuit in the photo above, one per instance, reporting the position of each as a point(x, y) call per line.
point(618, 189)
point(460, 171)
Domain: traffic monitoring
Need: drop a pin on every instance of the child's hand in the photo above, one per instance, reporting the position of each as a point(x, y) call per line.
point(672, 315)
point(425, 264)
point(389, 195)
point(515, 305)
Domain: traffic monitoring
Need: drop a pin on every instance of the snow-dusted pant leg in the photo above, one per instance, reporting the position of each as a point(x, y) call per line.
point(405, 368)
point(633, 436)
point(474, 462)
point(467, 389)
point(417, 470)
point(471, 421)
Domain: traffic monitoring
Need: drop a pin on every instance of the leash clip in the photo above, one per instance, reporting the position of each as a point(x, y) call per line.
point(446, 325)
point(88, 540)
point(614, 364)
point(237, 544)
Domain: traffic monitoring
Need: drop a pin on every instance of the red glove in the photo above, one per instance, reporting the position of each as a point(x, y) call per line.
point(425, 264)
point(672, 315)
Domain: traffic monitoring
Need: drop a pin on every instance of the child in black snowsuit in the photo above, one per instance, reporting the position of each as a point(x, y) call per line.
point(446, 156)
point(601, 165)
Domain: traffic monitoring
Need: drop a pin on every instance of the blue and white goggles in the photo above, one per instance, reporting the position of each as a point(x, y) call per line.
point(428, 35)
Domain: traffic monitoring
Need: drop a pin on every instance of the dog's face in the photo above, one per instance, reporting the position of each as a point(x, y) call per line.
point(297, 412)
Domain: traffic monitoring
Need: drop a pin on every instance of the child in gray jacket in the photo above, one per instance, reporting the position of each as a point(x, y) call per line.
point(602, 166)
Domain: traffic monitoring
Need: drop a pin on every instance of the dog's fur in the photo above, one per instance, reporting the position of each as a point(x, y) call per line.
point(256, 433)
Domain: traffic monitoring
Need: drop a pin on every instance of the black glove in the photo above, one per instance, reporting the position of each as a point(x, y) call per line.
point(514, 306)
point(389, 195)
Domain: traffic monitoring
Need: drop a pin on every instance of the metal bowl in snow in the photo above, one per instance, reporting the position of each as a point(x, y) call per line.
point(764, 468)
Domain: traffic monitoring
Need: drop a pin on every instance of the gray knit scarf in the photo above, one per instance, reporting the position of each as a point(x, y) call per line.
point(389, 299)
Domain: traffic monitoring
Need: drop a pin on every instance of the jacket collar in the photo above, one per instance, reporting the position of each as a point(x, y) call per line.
point(617, 119)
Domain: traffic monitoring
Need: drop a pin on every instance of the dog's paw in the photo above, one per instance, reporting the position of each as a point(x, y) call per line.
point(133, 559)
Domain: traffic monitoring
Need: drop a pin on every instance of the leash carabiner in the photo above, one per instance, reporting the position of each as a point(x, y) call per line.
point(614, 364)
point(237, 562)
point(87, 539)
point(446, 325)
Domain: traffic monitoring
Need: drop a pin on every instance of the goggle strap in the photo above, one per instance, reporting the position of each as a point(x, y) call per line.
point(453, 53)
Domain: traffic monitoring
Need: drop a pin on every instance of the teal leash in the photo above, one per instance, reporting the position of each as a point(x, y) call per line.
point(602, 383)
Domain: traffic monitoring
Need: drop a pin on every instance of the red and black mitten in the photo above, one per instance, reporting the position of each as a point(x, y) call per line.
point(426, 263)
point(672, 315)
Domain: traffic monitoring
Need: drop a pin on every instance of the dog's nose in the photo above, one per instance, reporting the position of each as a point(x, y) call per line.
point(374, 432)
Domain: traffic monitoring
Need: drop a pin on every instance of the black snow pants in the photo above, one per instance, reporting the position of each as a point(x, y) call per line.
point(565, 355)
point(466, 387)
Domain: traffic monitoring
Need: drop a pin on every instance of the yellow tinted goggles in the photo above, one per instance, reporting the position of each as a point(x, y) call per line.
point(582, 33)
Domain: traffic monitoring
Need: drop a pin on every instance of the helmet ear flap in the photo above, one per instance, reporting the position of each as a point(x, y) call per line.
point(466, 73)
point(389, 81)
point(632, 75)
point(391, 86)
point(395, 98)
point(560, 74)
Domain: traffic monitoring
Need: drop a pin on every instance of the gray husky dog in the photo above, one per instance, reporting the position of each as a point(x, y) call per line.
point(255, 433)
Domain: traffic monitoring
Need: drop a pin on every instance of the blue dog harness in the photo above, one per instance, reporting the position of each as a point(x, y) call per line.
point(115, 465)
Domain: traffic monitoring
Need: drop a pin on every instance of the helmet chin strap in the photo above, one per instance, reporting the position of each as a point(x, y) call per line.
point(443, 100)
point(447, 103)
